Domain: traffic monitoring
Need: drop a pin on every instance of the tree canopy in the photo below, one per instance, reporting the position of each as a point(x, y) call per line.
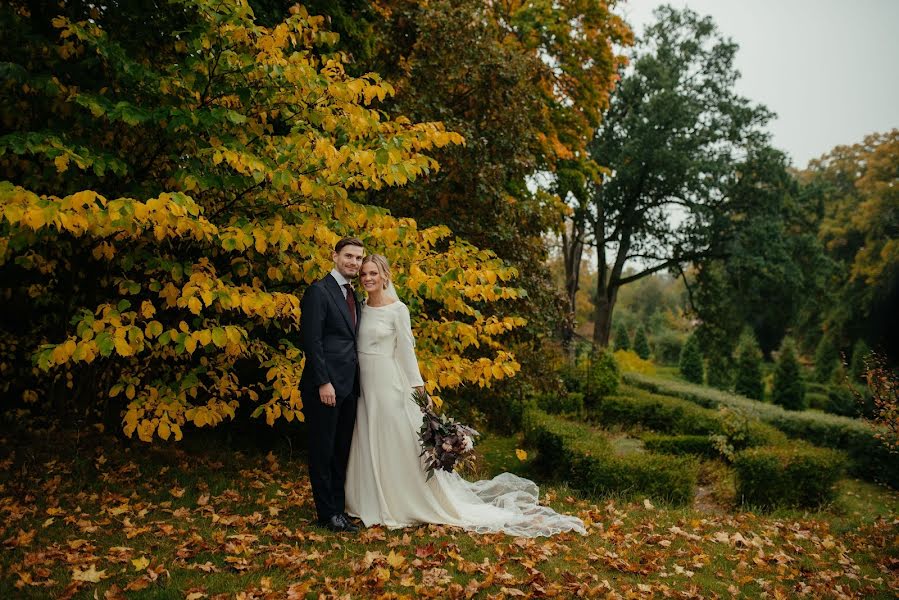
point(173, 179)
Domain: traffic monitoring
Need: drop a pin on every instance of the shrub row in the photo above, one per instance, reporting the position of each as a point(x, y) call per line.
point(666, 414)
point(570, 403)
point(869, 457)
point(799, 476)
point(700, 445)
point(576, 453)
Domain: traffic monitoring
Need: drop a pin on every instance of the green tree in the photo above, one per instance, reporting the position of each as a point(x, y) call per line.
point(789, 390)
point(719, 371)
point(859, 227)
point(622, 337)
point(775, 271)
point(691, 367)
point(861, 355)
point(674, 137)
point(641, 343)
point(827, 358)
point(749, 367)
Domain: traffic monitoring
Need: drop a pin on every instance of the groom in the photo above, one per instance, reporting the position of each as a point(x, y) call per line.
point(330, 382)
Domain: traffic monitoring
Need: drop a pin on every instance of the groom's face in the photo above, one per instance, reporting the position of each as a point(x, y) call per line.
point(348, 260)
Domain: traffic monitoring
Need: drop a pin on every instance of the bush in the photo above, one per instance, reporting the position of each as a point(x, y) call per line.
point(603, 377)
point(700, 445)
point(565, 403)
point(691, 361)
point(641, 344)
point(788, 389)
point(628, 360)
point(667, 346)
point(801, 476)
point(584, 458)
point(749, 368)
point(869, 457)
point(659, 413)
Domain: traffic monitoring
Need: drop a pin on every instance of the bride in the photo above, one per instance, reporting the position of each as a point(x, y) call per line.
point(386, 481)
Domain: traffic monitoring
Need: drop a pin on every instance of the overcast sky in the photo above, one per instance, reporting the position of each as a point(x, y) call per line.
point(828, 68)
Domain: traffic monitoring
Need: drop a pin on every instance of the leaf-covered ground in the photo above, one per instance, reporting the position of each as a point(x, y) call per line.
point(93, 517)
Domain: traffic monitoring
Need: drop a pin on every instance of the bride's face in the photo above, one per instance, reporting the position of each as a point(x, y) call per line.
point(371, 277)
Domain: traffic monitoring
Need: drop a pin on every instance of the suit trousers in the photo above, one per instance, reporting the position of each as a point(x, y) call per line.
point(330, 432)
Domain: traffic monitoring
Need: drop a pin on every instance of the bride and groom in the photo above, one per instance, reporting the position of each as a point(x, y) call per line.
point(364, 453)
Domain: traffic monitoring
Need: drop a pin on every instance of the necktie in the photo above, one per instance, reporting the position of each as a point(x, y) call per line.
point(351, 303)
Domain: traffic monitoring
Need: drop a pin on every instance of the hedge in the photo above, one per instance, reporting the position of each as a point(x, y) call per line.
point(666, 414)
point(868, 456)
point(700, 445)
point(563, 403)
point(801, 476)
point(577, 453)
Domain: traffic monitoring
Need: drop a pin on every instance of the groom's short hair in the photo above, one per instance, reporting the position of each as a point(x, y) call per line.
point(348, 241)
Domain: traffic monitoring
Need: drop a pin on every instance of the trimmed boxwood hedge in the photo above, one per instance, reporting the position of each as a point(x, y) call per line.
point(585, 459)
point(700, 445)
point(868, 456)
point(800, 476)
point(563, 403)
point(669, 415)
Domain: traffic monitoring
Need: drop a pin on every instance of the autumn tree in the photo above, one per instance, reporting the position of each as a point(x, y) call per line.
point(859, 226)
point(673, 140)
point(173, 180)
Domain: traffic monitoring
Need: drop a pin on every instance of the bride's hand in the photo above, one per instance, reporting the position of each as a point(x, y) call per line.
point(421, 389)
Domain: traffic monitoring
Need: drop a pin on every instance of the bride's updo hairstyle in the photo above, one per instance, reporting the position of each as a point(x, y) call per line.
point(380, 262)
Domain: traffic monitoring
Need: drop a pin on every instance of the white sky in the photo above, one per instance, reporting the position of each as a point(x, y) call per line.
point(829, 69)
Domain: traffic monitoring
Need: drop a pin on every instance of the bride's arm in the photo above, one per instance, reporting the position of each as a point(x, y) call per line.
point(405, 347)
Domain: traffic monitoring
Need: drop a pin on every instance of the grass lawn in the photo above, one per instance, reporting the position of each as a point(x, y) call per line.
point(90, 516)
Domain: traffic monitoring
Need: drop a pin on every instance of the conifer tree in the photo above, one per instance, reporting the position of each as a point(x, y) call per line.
point(691, 367)
point(749, 368)
point(641, 343)
point(789, 390)
point(622, 338)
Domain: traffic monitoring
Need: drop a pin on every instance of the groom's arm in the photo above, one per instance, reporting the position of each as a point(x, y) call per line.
point(312, 320)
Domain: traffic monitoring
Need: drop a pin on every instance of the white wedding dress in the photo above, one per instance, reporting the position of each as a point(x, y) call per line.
point(386, 482)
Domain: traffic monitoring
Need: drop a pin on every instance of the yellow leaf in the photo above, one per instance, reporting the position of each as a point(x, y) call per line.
point(521, 454)
point(140, 563)
point(164, 431)
point(61, 162)
point(147, 309)
point(91, 575)
point(395, 560)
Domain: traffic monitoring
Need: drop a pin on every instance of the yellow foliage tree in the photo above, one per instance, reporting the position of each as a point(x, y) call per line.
point(177, 181)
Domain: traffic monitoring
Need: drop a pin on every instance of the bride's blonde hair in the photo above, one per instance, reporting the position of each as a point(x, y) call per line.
point(382, 264)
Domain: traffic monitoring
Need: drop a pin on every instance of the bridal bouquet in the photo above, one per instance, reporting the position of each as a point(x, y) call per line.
point(444, 442)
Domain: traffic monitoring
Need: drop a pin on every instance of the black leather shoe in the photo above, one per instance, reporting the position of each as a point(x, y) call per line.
point(348, 523)
point(336, 523)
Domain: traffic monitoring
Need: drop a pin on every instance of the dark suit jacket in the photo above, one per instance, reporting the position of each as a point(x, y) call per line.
point(328, 339)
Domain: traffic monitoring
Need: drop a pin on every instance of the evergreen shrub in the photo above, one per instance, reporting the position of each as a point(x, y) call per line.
point(749, 368)
point(691, 367)
point(789, 391)
point(563, 403)
point(699, 445)
point(641, 343)
point(602, 377)
point(576, 453)
point(800, 476)
point(622, 337)
point(667, 345)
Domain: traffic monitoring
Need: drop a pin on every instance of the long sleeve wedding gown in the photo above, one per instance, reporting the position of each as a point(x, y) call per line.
point(386, 482)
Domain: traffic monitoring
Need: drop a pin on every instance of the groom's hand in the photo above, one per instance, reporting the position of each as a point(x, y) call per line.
point(327, 394)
